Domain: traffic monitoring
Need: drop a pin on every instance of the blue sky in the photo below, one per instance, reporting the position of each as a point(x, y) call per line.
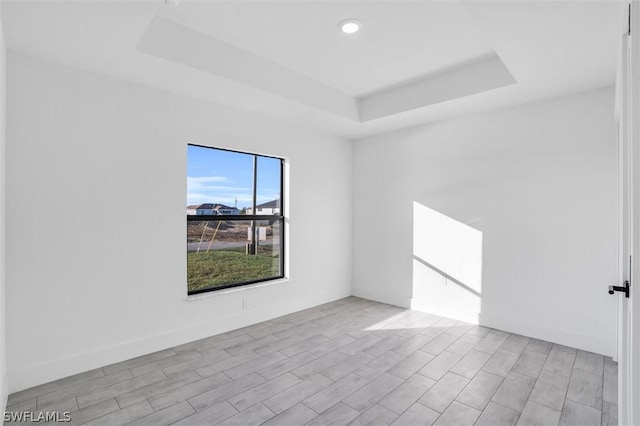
point(216, 176)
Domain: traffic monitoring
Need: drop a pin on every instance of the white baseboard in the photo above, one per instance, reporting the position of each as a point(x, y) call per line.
point(43, 373)
point(78, 363)
point(5, 392)
point(460, 315)
point(551, 334)
point(511, 325)
point(382, 297)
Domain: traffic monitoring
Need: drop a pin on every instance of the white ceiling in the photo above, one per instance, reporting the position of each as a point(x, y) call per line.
point(413, 62)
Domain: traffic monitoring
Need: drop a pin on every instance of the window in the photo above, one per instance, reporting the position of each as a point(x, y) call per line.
point(235, 222)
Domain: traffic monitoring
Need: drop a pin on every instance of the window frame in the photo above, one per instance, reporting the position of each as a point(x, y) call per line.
point(252, 218)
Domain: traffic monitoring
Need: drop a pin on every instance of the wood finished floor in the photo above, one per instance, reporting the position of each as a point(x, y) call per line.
point(352, 361)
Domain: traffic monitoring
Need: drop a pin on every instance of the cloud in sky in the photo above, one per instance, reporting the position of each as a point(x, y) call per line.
point(216, 189)
point(212, 183)
point(221, 189)
point(207, 179)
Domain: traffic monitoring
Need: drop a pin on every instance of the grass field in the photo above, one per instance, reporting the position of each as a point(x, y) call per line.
point(224, 267)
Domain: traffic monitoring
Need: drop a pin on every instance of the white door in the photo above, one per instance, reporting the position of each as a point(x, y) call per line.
point(628, 109)
point(625, 229)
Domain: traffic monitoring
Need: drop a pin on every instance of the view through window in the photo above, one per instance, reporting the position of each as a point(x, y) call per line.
point(235, 223)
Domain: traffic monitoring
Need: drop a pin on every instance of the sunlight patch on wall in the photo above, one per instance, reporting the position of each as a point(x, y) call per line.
point(447, 265)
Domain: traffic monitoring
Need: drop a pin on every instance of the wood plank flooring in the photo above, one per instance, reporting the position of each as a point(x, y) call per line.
point(352, 361)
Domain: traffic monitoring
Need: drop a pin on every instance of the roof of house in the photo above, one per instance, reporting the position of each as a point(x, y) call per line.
point(210, 206)
point(269, 204)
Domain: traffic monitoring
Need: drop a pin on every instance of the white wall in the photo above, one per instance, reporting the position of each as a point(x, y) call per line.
point(527, 197)
point(88, 289)
point(3, 348)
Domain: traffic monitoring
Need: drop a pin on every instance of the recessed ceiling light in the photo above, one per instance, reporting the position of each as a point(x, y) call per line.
point(349, 26)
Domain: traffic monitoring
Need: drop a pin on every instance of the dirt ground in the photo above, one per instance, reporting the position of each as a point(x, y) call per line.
point(226, 230)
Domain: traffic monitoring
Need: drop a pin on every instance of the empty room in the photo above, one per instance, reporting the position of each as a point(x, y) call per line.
point(312, 212)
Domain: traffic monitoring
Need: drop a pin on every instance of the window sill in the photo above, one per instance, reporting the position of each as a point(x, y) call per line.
point(210, 294)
